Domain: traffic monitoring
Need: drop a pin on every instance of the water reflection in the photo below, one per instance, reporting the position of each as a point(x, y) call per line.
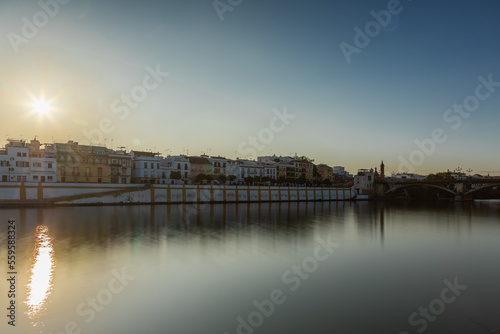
point(42, 268)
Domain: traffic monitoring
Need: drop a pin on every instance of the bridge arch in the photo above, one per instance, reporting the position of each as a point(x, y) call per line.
point(482, 188)
point(392, 190)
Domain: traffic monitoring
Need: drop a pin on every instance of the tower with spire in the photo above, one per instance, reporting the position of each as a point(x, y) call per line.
point(382, 169)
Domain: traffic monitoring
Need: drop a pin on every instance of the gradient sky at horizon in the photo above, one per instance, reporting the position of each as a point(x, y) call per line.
point(225, 78)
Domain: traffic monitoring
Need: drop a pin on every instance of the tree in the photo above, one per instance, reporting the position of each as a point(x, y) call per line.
point(222, 178)
point(175, 175)
point(281, 180)
point(304, 158)
point(301, 179)
point(199, 178)
point(231, 178)
point(266, 179)
point(248, 180)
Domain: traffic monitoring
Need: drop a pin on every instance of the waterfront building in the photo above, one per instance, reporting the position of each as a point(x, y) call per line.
point(287, 171)
point(325, 172)
point(270, 170)
point(408, 176)
point(220, 165)
point(146, 167)
point(176, 163)
point(43, 163)
point(120, 166)
point(14, 161)
point(81, 163)
point(250, 168)
point(304, 168)
point(363, 181)
point(200, 165)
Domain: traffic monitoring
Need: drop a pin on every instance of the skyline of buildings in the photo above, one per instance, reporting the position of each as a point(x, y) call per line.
point(33, 161)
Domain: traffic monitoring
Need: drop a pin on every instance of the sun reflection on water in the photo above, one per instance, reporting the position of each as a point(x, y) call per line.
point(42, 267)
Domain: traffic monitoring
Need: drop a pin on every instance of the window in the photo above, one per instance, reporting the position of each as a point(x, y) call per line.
point(19, 164)
point(26, 163)
point(99, 180)
point(145, 165)
point(185, 166)
point(49, 178)
point(124, 180)
point(49, 165)
point(24, 154)
point(178, 166)
point(4, 163)
point(35, 178)
point(63, 171)
point(87, 171)
point(18, 154)
point(91, 161)
point(146, 174)
point(37, 164)
point(152, 165)
point(103, 160)
point(99, 171)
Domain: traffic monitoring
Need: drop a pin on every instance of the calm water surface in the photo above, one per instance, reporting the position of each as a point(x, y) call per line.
point(199, 269)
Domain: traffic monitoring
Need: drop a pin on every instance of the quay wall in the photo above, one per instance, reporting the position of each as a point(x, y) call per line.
point(94, 194)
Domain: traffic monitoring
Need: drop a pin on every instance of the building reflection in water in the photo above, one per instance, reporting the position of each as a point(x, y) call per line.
point(41, 275)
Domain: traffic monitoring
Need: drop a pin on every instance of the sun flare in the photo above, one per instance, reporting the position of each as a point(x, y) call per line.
point(41, 107)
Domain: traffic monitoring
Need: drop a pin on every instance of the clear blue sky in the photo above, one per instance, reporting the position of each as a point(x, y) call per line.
point(226, 78)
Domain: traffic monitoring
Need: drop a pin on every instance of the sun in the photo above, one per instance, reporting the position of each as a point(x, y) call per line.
point(41, 107)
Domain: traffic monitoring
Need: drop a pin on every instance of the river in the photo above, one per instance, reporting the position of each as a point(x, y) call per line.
point(268, 268)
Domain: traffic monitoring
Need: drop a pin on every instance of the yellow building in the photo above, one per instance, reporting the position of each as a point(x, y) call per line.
point(82, 163)
point(305, 168)
point(325, 172)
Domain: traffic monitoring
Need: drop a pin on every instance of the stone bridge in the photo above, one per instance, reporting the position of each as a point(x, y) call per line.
point(462, 190)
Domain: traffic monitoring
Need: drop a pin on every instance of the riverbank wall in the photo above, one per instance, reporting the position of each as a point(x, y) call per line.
point(26, 193)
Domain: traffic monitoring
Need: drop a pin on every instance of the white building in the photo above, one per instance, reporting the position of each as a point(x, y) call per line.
point(250, 168)
point(146, 167)
point(220, 165)
point(175, 163)
point(270, 170)
point(14, 161)
point(43, 163)
point(408, 176)
point(363, 181)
